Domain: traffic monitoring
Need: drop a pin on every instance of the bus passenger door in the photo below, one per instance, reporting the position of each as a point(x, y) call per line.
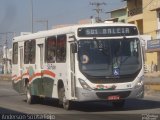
point(39, 69)
point(72, 71)
point(21, 64)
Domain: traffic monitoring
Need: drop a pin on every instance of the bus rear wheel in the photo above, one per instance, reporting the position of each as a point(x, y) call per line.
point(63, 100)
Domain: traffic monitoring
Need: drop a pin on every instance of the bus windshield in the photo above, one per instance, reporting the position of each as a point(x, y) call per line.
point(109, 57)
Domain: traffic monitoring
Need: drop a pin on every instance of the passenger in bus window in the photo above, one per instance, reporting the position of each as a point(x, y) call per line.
point(51, 56)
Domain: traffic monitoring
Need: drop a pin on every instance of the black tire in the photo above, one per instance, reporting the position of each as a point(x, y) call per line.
point(29, 97)
point(118, 104)
point(62, 99)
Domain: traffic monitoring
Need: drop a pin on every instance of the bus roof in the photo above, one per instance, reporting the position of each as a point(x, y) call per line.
point(64, 30)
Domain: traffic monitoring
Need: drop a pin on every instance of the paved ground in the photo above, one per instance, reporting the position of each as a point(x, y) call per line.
point(152, 85)
point(13, 103)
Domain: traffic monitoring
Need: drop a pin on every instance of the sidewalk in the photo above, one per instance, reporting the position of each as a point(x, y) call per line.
point(152, 83)
point(152, 78)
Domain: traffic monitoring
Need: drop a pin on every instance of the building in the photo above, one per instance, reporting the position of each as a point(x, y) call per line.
point(118, 15)
point(135, 13)
point(156, 7)
point(145, 14)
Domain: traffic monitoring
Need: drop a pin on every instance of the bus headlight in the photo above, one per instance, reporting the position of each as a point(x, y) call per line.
point(84, 84)
point(140, 82)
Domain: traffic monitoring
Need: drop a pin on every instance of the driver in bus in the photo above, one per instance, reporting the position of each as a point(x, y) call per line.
point(84, 59)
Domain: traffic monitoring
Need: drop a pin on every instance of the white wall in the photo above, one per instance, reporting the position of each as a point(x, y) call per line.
point(146, 38)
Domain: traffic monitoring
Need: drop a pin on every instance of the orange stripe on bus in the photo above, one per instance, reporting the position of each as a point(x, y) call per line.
point(35, 75)
point(47, 72)
point(19, 77)
point(14, 76)
point(25, 74)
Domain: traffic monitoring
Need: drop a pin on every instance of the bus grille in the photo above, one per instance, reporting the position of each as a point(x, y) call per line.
point(104, 95)
point(111, 80)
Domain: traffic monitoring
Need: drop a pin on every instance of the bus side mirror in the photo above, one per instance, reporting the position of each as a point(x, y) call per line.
point(74, 47)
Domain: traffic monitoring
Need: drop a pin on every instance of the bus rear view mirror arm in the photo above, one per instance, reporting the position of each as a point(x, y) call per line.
point(74, 47)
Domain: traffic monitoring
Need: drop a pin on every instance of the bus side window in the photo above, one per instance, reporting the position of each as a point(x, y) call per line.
point(15, 53)
point(26, 52)
point(50, 50)
point(61, 49)
point(32, 51)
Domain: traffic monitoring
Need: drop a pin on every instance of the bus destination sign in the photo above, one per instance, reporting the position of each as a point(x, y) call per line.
point(108, 31)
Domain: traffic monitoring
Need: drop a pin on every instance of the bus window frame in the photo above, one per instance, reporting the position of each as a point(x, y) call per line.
point(64, 47)
point(14, 54)
point(32, 56)
point(28, 51)
point(47, 49)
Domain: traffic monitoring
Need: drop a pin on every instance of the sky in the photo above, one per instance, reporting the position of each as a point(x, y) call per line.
point(15, 15)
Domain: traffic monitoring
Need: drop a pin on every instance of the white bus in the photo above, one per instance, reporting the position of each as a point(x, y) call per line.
point(93, 62)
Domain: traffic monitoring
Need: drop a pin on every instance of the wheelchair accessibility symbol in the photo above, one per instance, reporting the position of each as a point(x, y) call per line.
point(116, 71)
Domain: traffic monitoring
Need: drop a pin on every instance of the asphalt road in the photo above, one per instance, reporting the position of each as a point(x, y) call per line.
point(11, 103)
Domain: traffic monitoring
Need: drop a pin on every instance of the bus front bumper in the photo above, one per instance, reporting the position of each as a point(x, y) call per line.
point(96, 95)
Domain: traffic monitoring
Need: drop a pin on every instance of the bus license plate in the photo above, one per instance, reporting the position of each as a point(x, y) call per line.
point(114, 97)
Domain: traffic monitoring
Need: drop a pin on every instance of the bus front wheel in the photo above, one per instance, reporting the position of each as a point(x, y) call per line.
point(63, 100)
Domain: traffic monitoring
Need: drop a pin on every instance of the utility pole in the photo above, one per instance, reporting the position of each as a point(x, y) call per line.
point(6, 60)
point(97, 9)
point(31, 16)
point(1, 58)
